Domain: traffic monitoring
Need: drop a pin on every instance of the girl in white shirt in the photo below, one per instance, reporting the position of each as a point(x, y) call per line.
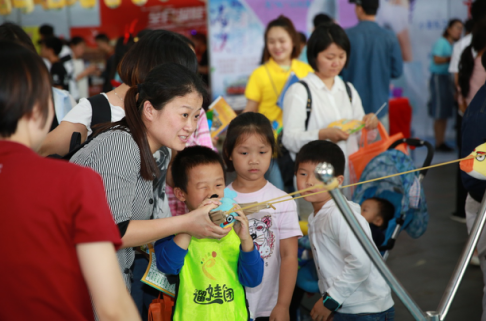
point(327, 52)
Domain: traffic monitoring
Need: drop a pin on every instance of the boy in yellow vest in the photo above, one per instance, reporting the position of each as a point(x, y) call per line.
point(212, 273)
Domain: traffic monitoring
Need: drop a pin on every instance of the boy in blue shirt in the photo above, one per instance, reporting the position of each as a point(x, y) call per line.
point(212, 273)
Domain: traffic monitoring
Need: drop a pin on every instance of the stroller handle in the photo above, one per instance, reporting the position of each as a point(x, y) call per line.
point(417, 143)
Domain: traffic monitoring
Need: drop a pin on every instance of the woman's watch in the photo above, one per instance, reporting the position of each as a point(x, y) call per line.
point(330, 303)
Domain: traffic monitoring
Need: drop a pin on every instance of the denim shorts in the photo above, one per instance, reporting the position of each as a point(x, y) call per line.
point(388, 315)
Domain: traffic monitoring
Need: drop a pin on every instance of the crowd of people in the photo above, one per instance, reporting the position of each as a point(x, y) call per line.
point(138, 166)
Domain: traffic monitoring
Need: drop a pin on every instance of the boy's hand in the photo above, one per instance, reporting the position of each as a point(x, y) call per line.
point(242, 229)
point(320, 312)
point(280, 313)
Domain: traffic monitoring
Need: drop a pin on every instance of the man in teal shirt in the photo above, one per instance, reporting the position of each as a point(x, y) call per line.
point(374, 60)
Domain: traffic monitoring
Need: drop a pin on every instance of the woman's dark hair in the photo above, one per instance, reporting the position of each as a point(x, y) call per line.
point(321, 151)
point(478, 11)
point(13, 32)
point(302, 38)
point(287, 24)
point(162, 84)
point(155, 48)
point(239, 128)
point(121, 48)
point(322, 37)
point(320, 19)
point(466, 64)
point(469, 25)
point(76, 41)
point(450, 24)
point(24, 84)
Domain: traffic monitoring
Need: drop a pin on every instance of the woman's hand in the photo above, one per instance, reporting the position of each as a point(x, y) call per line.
point(242, 229)
point(334, 134)
point(370, 121)
point(200, 226)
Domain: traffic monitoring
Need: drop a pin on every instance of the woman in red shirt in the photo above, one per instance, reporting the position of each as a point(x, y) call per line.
point(58, 233)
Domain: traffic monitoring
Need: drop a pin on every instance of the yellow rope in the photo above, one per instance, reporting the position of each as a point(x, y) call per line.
point(270, 202)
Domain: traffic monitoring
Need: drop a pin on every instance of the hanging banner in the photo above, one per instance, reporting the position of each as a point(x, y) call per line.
point(5, 7)
point(182, 16)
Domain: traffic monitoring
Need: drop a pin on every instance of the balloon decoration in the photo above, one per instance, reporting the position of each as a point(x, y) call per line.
point(27, 6)
point(53, 4)
point(113, 4)
point(5, 7)
point(139, 2)
point(87, 4)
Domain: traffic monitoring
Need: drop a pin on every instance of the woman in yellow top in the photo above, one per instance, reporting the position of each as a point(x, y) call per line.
point(280, 58)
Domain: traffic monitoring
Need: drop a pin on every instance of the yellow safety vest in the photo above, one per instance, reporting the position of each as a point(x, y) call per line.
point(209, 287)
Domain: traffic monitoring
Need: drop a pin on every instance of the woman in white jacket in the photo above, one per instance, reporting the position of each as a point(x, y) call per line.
point(332, 98)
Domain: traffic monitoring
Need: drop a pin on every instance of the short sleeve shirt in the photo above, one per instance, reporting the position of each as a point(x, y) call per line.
point(48, 208)
point(442, 48)
point(266, 83)
point(267, 228)
point(82, 113)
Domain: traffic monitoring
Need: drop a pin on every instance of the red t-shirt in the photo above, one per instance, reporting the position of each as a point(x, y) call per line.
point(47, 207)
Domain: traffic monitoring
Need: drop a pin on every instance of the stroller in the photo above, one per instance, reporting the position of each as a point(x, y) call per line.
point(404, 192)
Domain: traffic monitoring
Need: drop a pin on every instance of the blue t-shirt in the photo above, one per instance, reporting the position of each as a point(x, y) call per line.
point(442, 48)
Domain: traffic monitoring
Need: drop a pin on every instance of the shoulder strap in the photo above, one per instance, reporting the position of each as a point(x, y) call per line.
point(308, 107)
point(348, 90)
point(101, 110)
point(66, 58)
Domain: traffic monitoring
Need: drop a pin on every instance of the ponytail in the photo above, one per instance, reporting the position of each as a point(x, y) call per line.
point(466, 67)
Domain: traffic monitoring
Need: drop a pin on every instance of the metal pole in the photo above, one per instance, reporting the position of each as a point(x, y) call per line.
point(455, 281)
point(375, 256)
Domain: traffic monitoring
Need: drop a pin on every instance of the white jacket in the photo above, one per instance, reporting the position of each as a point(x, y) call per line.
point(345, 270)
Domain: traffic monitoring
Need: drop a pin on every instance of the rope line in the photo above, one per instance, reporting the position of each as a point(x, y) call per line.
point(278, 199)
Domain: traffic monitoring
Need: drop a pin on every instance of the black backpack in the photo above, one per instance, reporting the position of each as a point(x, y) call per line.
point(284, 161)
point(101, 114)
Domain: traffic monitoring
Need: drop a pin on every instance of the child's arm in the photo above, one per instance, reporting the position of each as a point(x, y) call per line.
point(287, 278)
point(250, 263)
point(170, 255)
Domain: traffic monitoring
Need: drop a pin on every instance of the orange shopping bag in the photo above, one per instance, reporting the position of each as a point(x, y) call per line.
point(358, 160)
point(161, 309)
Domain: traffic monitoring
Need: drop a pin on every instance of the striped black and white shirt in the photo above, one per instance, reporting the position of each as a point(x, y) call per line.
point(116, 157)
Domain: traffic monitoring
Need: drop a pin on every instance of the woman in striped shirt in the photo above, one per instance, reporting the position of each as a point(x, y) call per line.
point(161, 111)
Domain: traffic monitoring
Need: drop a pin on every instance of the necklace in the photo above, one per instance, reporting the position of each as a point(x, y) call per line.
point(114, 90)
